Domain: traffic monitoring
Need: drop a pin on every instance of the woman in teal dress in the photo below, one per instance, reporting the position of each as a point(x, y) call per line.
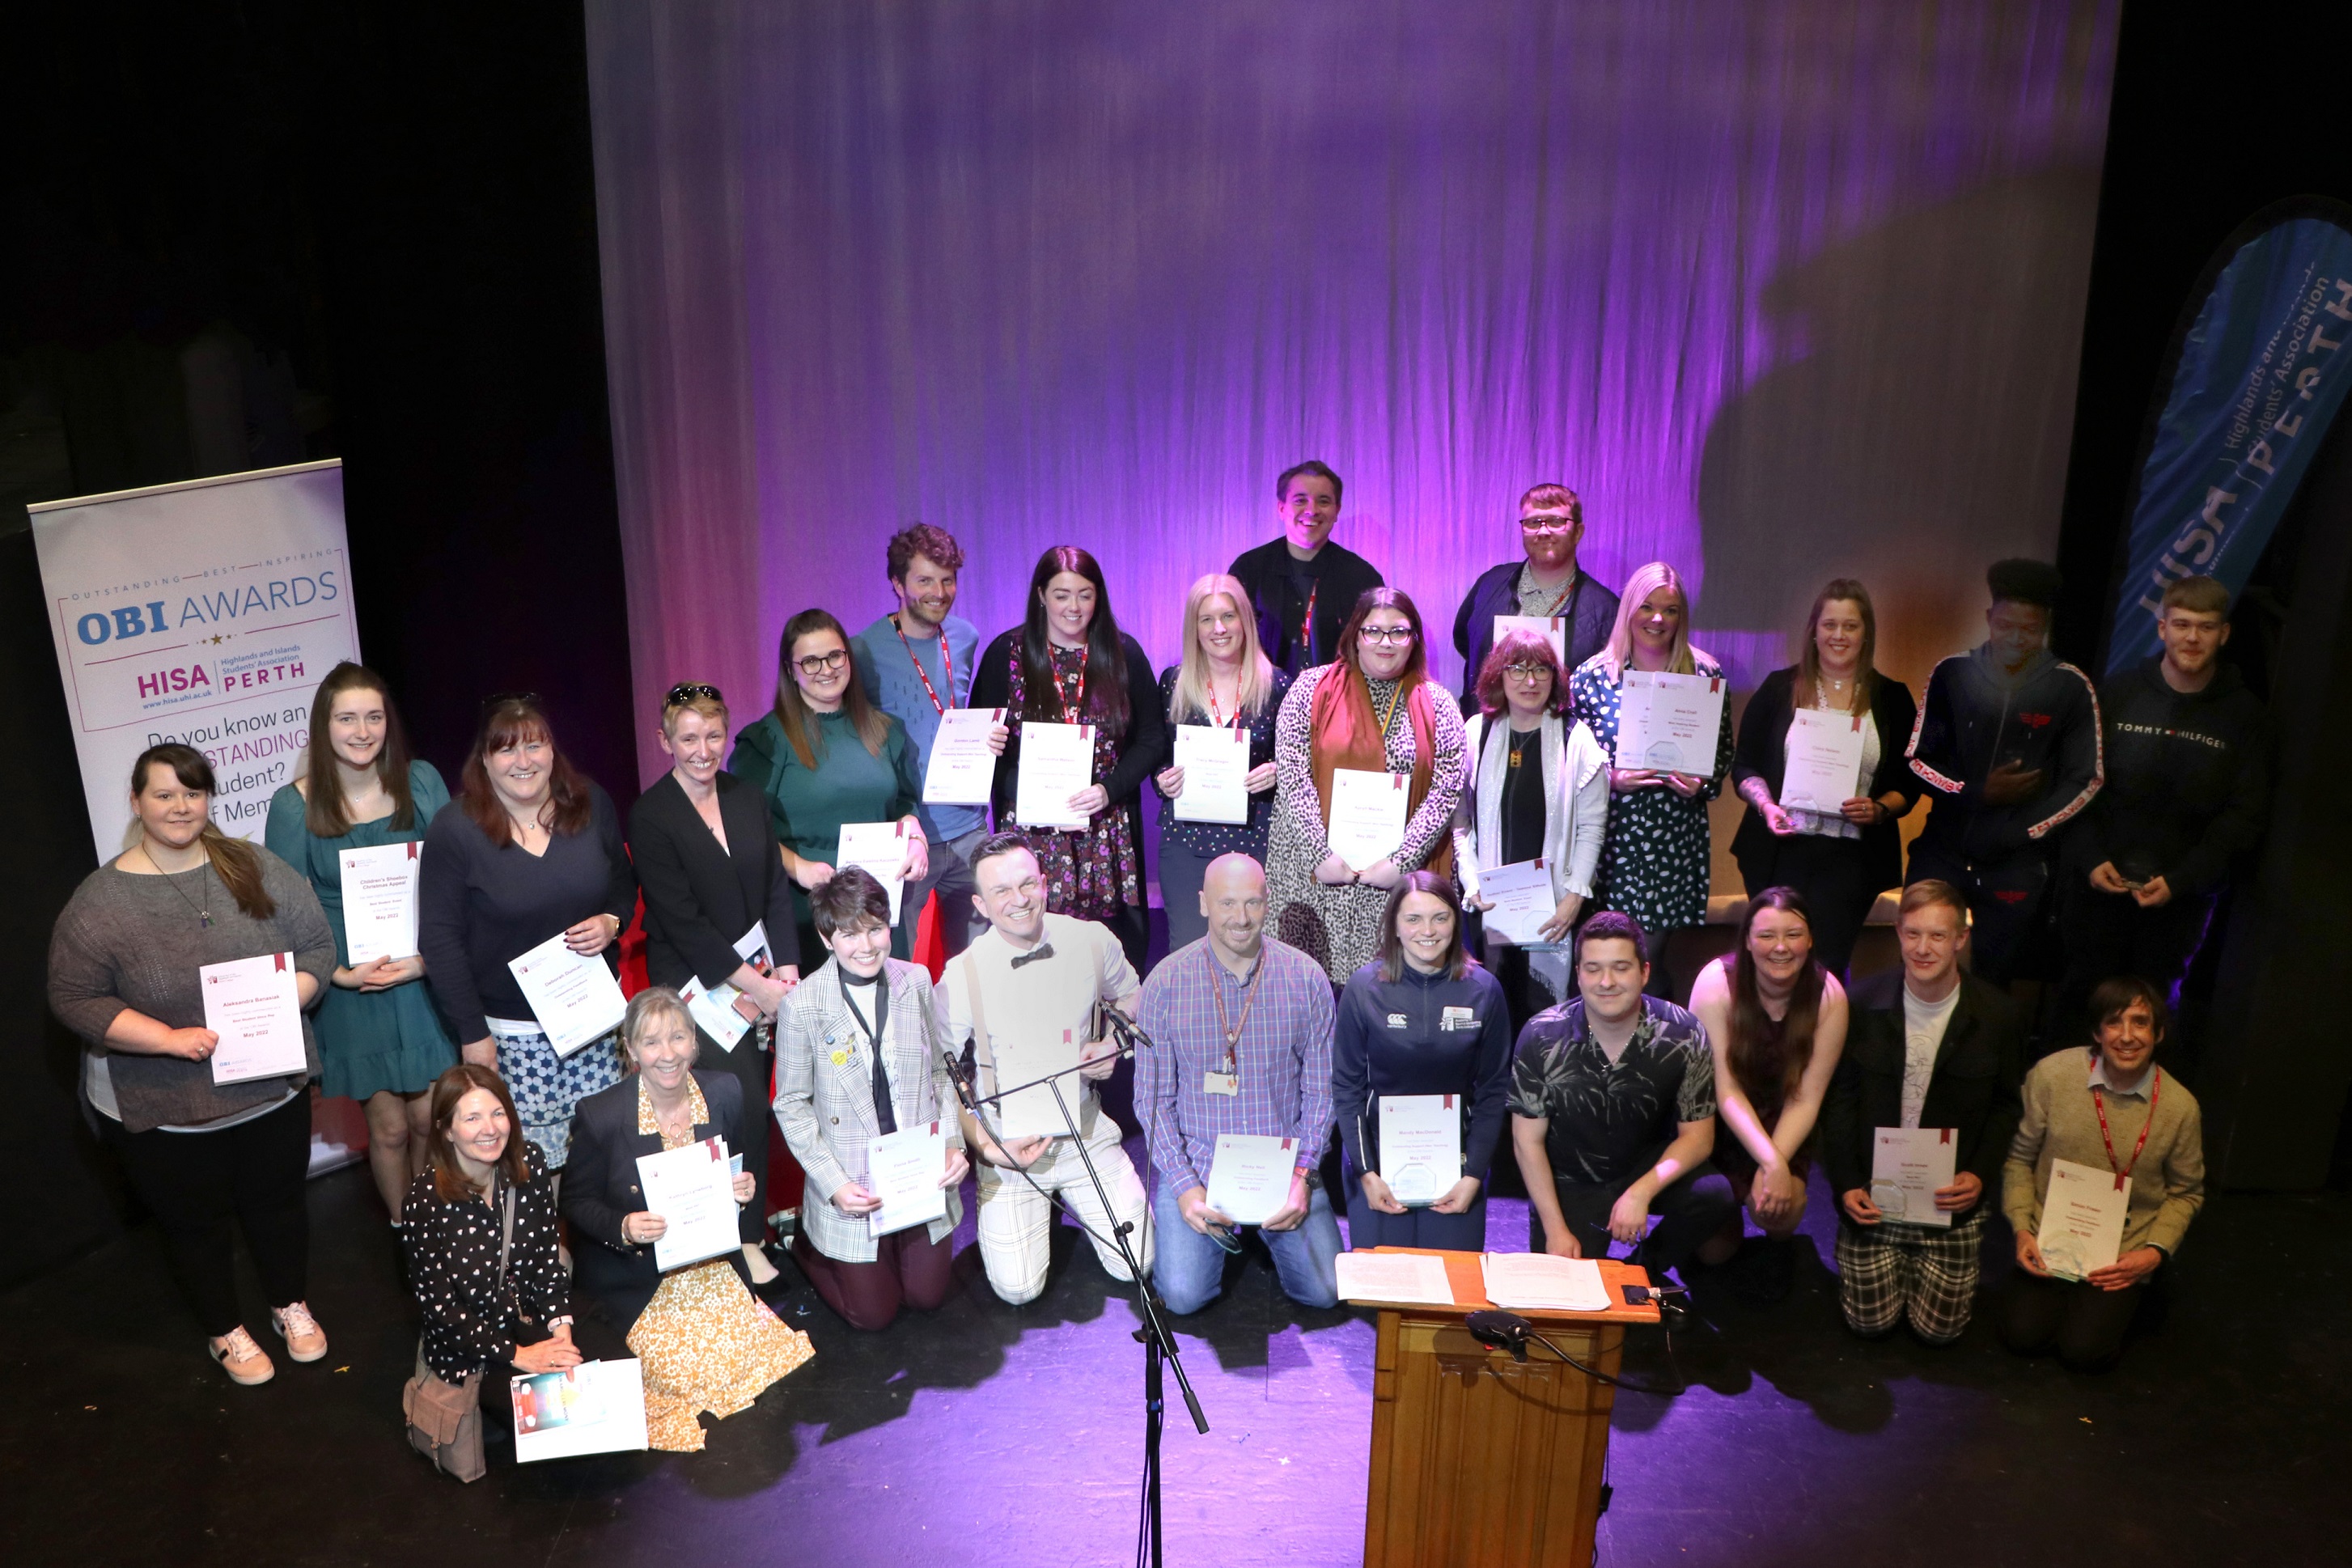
point(825, 756)
point(380, 1040)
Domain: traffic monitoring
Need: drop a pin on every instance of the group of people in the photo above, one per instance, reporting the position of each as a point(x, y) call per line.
point(1299, 990)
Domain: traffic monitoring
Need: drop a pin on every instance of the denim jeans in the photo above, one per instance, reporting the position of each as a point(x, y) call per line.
point(1190, 1271)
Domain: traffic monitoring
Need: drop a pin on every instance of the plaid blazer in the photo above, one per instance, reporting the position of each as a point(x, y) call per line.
point(824, 1096)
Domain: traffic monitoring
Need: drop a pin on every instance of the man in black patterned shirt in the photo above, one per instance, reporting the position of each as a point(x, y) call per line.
point(1612, 1113)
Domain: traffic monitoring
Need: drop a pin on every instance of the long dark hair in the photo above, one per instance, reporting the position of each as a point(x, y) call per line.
point(507, 722)
point(1416, 667)
point(325, 813)
point(1106, 698)
point(449, 1182)
point(1809, 662)
point(1748, 1020)
point(236, 863)
point(1391, 954)
point(793, 711)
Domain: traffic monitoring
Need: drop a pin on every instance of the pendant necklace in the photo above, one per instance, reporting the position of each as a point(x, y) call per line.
point(203, 914)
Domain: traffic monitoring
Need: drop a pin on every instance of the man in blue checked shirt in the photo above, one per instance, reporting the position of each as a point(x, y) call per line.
point(1241, 1031)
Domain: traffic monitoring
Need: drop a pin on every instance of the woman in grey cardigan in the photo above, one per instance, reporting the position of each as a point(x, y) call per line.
point(124, 962)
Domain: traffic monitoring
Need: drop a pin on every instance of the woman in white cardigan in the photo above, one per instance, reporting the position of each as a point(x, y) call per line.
point(1539, 791)
point(854, 1062)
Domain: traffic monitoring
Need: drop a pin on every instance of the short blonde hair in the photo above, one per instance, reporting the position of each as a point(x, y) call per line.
point(653, 1002)
point(691, 697)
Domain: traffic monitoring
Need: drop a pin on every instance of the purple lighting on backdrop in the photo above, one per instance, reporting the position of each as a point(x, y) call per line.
point(1784, 290)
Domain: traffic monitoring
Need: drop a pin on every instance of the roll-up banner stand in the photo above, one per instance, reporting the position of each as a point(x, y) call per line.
point(205, 613)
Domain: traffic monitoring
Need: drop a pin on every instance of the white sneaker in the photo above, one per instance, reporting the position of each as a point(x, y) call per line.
point(245, 1363)
point(305, 1339)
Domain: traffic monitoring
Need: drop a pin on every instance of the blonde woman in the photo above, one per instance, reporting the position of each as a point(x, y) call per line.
point(1224, 681)
point(1654, 859)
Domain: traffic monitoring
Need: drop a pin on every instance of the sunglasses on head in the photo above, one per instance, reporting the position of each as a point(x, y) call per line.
point(685, 692)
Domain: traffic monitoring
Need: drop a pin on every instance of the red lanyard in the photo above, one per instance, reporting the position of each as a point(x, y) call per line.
point(947, 664)
point(1072, 711)
point(1216, 715)
point(1233, 1032)
point(1306, 626)
point(2155, 1087)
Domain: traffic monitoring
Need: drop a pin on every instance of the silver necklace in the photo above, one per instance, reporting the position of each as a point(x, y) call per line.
point(202, 913)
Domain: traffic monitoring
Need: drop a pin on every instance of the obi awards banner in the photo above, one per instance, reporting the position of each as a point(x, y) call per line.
point(204, 613)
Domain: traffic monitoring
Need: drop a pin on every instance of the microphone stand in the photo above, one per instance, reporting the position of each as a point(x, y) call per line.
point(1159, 1344)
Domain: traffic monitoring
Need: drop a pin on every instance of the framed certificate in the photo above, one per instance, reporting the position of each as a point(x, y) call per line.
point(1057, 761)
point(1367, 815)
point(1421, 1146)
point(253, 1005)
point(1906, 1165)
point(2081, 1220)
point(693, 1190)
point(962, 770)
point(380, 902)
point(1249, 1176)
point(1824, 768)
point(903, 1168)
point(1216, 773)
point(1670, 723)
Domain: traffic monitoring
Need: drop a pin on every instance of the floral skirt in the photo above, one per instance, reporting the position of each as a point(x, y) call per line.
point(1091, 874)
point(708, 1343)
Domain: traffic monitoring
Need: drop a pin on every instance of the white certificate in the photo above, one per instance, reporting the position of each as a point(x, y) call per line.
point(596, 1407)
point(879, 847)
point(903, 1168)
point(1670, 723)
point(1249, 1177)
point(1824, 761)
point(1057, 761)
point(574, 995)
point(720, 1009)
point(1216, 773)
point(379, 902)
point(1906, 1165)
point(252, 1005)
point(962, 770)
point(1034, 1112)
point(693, 1190)
point(1421, 1146)
point(1521, 894)
point(1553, 629)
point(1367, 815)
point(1393, 1277)
point(1545, 1283)
point(2081, 1220)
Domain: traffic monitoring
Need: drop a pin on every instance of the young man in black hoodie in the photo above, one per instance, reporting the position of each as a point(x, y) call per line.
point(2008, 744)
point(2188, 751)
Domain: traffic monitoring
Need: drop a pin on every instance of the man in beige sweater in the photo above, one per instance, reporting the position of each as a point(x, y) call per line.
point(2116, 1113)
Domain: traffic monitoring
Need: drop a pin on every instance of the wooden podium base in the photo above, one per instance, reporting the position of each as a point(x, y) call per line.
point(1479, 1459)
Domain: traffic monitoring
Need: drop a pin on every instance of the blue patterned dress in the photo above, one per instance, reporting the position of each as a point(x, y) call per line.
point(1655, 861)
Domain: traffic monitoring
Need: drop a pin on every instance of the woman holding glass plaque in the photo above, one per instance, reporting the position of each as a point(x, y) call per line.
point(1368, 731)
point(380, 1040)
point(1224, 683)
point(1653, 858)
point(1069, 663)
point(1420, 1104)
point(1822, 819)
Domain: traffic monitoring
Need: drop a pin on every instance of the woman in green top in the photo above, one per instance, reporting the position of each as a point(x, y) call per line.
point(826, 756)
point(380, 1040)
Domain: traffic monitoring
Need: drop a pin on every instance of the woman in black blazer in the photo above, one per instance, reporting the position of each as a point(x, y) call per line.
point(706, 856)
point(1840, 861)
point(704, 1343)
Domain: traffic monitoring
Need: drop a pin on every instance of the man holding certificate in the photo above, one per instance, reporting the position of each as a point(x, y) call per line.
point(1930, 1073)
point(2124, 1140)
point(1241, 1048)
point(1368, 766)
point(1024, 998)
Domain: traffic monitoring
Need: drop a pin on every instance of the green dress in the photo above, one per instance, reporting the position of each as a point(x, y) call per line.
point(808, 805)
point(368, 1040)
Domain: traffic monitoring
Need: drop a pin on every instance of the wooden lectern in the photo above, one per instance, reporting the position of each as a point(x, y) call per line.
point(1478, 1460)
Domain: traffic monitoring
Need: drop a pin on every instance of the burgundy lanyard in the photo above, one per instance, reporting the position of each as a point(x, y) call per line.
point(947, 665)
point(2098, 1103)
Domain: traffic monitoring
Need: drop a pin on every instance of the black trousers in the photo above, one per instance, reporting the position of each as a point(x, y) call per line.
point(1689, 1211)
point(2084, 1324)
point(2108, 934)
point(197, 1184)
point(1833, 874)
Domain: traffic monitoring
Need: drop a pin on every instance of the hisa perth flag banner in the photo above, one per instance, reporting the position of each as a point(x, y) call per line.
point(205, 613)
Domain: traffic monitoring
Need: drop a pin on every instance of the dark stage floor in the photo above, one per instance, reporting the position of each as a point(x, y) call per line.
point(988, 1434)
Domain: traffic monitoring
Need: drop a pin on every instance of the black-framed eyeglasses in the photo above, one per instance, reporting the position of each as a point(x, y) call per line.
point(499, 698)
point(819, 663)
point(685, 692)
point(1392, 635)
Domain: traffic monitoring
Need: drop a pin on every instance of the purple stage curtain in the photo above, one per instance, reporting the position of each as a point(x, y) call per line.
point(1784, 290)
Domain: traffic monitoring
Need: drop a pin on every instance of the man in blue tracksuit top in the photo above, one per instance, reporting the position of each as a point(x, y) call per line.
point(2008, 741)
